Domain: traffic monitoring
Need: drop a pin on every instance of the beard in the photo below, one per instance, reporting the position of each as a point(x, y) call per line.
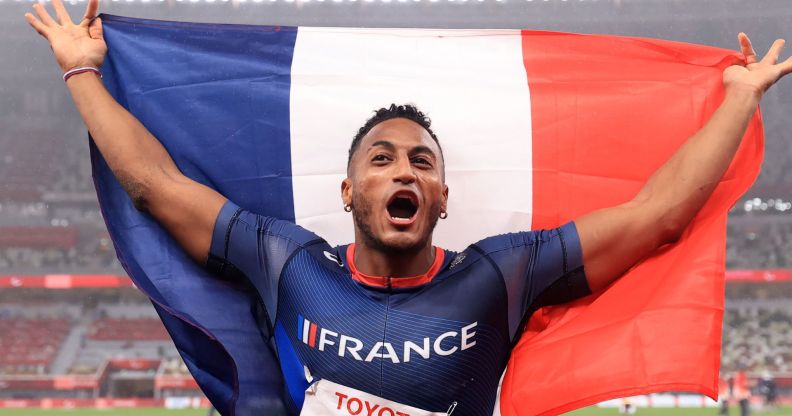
point(363, 217)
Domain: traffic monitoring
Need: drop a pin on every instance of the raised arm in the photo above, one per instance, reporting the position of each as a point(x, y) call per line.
point(187, 209)
point(614, 239)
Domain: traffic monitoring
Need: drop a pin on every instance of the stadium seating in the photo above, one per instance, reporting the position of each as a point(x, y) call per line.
point(757, 244)
point(757, 337)
point(109, 329)
point(34, 333)
point(28, 346)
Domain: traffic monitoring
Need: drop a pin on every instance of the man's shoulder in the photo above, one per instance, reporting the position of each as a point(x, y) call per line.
point(501, 242)
point(318, 252)
point(269, 227)
point(524, 239)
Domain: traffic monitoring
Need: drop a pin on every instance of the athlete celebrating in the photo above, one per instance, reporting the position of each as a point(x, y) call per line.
point(392, 325)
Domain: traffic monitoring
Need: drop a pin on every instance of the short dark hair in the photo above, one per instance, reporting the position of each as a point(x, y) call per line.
point(408, 111)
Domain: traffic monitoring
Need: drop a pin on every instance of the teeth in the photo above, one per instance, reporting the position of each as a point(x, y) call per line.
point(398, 218)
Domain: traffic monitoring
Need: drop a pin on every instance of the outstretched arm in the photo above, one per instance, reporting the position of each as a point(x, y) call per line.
point(614, 239)
point(187, 209)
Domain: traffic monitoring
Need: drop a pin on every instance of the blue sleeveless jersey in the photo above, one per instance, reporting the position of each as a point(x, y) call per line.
point(446, 340)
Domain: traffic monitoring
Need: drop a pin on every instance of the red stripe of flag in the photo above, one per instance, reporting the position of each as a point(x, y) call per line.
point(606, 112)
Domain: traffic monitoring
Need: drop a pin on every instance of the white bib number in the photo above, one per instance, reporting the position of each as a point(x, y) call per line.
point(325, 398)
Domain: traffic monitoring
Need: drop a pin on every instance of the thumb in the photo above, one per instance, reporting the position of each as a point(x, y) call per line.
point(95, 29)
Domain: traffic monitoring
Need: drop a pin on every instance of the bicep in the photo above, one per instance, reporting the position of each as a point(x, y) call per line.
point(188, 210)
point(615, 239)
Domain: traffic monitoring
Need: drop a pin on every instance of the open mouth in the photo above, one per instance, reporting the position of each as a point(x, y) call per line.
point(402, 207)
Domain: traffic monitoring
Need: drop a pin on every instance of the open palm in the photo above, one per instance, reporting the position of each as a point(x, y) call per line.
point(758, 75)
point(74, 45)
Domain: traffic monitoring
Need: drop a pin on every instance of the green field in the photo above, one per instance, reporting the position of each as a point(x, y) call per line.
point(590, 411)
point(594, 411)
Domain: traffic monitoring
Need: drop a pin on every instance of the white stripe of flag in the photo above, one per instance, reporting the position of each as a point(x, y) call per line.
point(472, 84)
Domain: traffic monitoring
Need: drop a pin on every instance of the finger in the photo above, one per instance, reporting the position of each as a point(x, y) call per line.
point(747, 49)
point(95, 30)
point(90, 12)
point(40, 27)
point(774, 52)
point(786, 66)
point(41, 11)
point(63, 15)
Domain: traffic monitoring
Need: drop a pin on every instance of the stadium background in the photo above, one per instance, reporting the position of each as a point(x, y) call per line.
point(74, 333)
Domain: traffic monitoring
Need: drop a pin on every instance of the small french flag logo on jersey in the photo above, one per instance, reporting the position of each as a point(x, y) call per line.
point(307, 331)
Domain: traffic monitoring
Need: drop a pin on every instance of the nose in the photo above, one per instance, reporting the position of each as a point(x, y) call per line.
point(404, 171)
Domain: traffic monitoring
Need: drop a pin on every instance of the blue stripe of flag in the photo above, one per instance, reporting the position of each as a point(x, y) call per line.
point(199, 97)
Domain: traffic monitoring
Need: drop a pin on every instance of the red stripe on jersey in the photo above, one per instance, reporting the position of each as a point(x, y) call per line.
point(395, 282)
point(312, 336)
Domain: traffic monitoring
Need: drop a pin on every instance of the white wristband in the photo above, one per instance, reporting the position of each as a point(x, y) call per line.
point(80, 70)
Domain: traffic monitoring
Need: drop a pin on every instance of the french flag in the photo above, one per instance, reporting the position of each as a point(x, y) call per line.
point(306, 330)
point(537, 128)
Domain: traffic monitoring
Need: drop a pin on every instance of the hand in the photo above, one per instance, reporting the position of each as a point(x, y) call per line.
point(757, 76)
point(74, 45)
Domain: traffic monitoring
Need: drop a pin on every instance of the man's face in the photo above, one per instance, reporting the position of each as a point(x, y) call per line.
point(396, 186)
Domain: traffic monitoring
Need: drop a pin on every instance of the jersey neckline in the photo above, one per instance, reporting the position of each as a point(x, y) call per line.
point(394, 282)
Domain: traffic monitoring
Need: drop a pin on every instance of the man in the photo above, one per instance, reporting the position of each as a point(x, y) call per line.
point(392, 324)
point(627, 407)
point(742, 392)
point(769, 389)
point(724, 394)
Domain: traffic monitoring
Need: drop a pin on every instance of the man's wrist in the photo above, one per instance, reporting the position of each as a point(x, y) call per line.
point(745, 93)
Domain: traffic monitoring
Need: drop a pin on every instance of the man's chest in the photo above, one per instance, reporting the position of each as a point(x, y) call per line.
point(429, 347)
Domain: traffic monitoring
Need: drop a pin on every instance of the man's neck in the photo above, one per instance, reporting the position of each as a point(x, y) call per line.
point(374, 262)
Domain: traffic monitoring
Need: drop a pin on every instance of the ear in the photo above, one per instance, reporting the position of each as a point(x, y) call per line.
point(346, 191)
point(444, 203)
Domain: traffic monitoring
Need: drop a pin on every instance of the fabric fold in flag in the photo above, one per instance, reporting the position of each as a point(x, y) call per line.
point(537, 128)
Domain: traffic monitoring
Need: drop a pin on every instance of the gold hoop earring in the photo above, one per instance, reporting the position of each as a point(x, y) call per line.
point(443, 215)
point(347, 208)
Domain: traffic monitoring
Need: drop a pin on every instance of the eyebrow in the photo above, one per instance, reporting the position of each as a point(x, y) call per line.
point(415, 150)
point(422, 149)
point(384, 143)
